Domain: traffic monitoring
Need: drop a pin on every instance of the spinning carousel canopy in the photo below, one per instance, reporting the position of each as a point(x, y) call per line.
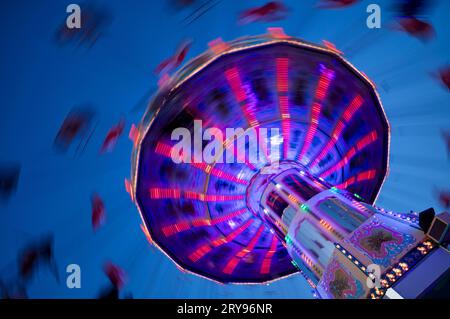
point(330, 121)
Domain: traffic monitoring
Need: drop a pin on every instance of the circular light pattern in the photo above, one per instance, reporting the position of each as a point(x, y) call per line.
point(330, 121)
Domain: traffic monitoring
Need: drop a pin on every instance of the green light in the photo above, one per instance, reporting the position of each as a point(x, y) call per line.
point(357, 196)
point(304, 207)
point(334, 189)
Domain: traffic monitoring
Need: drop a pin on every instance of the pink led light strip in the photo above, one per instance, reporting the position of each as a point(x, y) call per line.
point(165, 150)
point(233, 262)
point(351, 109)
point(206, 248)
point(234, 80)
point(321, 91)
point(282, 69)
point(164, 193)
point(199, 222)
point(360, 145)
point(267, 261)
point(364, 176)
point(235, 83)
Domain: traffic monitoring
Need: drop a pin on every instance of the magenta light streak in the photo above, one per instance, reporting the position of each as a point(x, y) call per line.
point(323, 85)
